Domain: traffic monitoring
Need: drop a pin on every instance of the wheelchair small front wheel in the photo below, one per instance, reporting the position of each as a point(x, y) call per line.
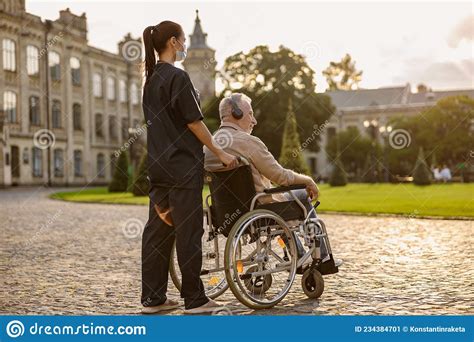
point(312, 283)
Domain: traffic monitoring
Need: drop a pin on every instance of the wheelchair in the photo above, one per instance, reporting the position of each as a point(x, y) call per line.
point(250, 247)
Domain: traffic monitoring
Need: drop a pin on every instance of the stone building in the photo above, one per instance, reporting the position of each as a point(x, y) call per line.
point(364, 108)
point(67, 107)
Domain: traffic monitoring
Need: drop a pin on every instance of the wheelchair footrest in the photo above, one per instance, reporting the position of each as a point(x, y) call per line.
point(327, 267)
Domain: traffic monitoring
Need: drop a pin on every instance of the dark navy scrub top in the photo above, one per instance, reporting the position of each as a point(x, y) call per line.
point(175, 155)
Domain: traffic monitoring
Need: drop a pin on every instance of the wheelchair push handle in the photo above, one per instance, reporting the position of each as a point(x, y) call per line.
point(241, 160)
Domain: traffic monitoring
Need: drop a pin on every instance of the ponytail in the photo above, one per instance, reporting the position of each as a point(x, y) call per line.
point(150, 59)
point(155, 39)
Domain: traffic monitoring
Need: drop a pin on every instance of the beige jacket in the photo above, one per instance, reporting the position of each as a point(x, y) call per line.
point(265, 168)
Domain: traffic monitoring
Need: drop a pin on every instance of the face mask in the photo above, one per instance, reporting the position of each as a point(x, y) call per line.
point(181, 55)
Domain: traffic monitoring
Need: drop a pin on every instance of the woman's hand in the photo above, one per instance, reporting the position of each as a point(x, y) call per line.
point(230, 161)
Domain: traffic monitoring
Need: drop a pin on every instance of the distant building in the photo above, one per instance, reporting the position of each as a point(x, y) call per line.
point(200, 62)
point(53, 84)
point(376, 106)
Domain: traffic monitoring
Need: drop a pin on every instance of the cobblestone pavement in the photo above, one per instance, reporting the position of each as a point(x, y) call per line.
point(74, 258)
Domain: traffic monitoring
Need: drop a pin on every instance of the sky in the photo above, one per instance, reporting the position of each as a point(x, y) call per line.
point(393, 43)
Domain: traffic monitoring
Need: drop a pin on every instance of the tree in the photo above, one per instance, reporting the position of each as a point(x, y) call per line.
point(291, 156)
point(353, 150)
point(338, 175)
point(119, 181)
point(421, 173)
point(343, 75)
point(270, 79)
point(444, 129)
point(141, 184)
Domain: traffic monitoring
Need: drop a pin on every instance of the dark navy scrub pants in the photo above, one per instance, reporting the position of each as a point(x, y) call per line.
point(158, 238)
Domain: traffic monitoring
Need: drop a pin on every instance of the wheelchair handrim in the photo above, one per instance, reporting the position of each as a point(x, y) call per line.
point(292, 272)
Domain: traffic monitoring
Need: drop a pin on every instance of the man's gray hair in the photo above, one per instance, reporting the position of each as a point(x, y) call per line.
point(225, 106)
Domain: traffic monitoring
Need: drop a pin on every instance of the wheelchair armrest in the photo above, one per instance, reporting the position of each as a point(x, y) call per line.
point(284, 188)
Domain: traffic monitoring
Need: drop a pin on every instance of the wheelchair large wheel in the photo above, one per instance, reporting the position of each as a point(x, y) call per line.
point(260, 259)
point(212, 271)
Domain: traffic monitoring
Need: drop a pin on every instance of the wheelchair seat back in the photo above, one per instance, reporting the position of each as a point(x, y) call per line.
point(231, 194)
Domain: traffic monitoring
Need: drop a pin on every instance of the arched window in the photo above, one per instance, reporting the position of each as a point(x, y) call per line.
point(110, 88)
point(56, 113)
point(99, 122)
point(101, 165)
point(78, 163)
point(75, 64)
point(112, 128)
point(97, 85)
point(134, 93)
point(37, 161)
point(54, 65)
point(9, 55)
point(58, 162)
point(32, 60)
point(35, 113)
point(123, 91)
point(10, 106)
point(77, 116)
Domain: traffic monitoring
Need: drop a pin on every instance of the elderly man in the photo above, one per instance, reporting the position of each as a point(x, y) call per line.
point(234, 134)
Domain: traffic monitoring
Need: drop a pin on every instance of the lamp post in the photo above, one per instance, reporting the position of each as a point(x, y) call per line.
point(385, 132)
point(372, 127)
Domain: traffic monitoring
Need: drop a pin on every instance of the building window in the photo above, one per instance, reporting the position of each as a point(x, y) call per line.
point(123, 91)
point(113, 160)
point(101, 165)
point(10, 106)
point(58, 162)
point(15, 161)
point(97, 85)
point(125, 129)
point(54, 65)
point(35, 115)
point(37, 161)
point(56, 113)
point(134, 93)
point(9, 55)
point(98, 125)
point(110, 88)
point(77, 116)
point(77, 163)
point(75, 71)
point(112, 128)
point(331, 133)
point(32, 60)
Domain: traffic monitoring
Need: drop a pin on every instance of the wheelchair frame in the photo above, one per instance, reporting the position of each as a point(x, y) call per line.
point(311, 231)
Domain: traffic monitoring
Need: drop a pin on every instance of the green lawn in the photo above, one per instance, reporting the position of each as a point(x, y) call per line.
point(446, 200)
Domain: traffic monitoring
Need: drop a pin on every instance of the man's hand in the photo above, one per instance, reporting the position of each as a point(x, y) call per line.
point(313, 190)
